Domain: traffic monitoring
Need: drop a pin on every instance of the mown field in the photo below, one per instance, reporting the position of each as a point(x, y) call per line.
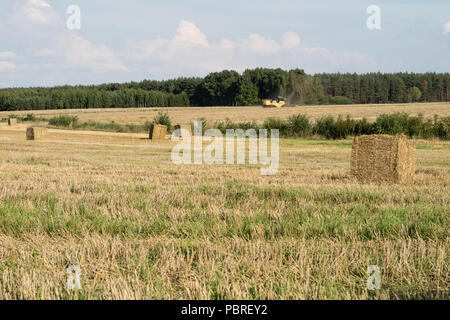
point(141, 227)
point(184, 116)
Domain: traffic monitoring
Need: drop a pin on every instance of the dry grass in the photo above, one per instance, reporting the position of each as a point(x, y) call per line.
point(142, 228)
point(185, 116)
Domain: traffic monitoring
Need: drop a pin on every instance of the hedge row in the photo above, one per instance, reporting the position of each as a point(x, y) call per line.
point(339, 128)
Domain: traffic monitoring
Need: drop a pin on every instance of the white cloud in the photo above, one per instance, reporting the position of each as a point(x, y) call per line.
point(447, 28)
point(43, 34)
point(260, 45)
point(6, 66)
point(48, 49)
point(45, 53)
point(189, 34)
point(189, 52)
point(80, 52)
point(36, 11)
point(7, 55)
point(291, 40)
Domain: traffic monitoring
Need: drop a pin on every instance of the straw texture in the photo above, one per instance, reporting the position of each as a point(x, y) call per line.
point(383, 158)
point(35, 133)
point(157, 132)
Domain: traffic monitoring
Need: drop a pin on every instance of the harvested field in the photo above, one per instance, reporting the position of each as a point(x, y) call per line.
point(185, 116)
point(141, 227)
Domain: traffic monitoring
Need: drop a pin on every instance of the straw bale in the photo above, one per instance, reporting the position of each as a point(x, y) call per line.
point(157, 132)
point(383, 158)
point(35, 133)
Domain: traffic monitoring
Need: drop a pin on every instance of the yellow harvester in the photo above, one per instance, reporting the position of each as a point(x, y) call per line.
point(278, 102)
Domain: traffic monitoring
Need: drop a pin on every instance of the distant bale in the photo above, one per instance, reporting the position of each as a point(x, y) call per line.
point(157, 132)
point(383, 158)
point(12, 122)
point(35, 133)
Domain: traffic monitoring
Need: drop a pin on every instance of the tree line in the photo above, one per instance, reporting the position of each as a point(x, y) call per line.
point(230, 88)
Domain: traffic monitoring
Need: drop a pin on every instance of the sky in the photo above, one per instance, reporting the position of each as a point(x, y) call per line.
point(47, 42)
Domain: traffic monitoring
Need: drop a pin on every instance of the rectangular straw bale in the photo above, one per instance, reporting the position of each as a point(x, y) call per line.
point(157, 132)
point(12, 122)
point(35, 133)
point(383, 158)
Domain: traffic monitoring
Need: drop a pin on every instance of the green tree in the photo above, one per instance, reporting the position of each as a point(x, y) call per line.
point(415, 93)
point(218, 88)
point(248, 93)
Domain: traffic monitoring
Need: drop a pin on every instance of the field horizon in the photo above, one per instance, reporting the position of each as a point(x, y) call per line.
point(186, 115)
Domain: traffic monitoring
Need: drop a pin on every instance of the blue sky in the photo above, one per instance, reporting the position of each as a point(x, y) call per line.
point(141, 39)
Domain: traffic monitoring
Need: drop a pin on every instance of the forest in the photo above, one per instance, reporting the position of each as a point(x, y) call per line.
point(230, 88)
